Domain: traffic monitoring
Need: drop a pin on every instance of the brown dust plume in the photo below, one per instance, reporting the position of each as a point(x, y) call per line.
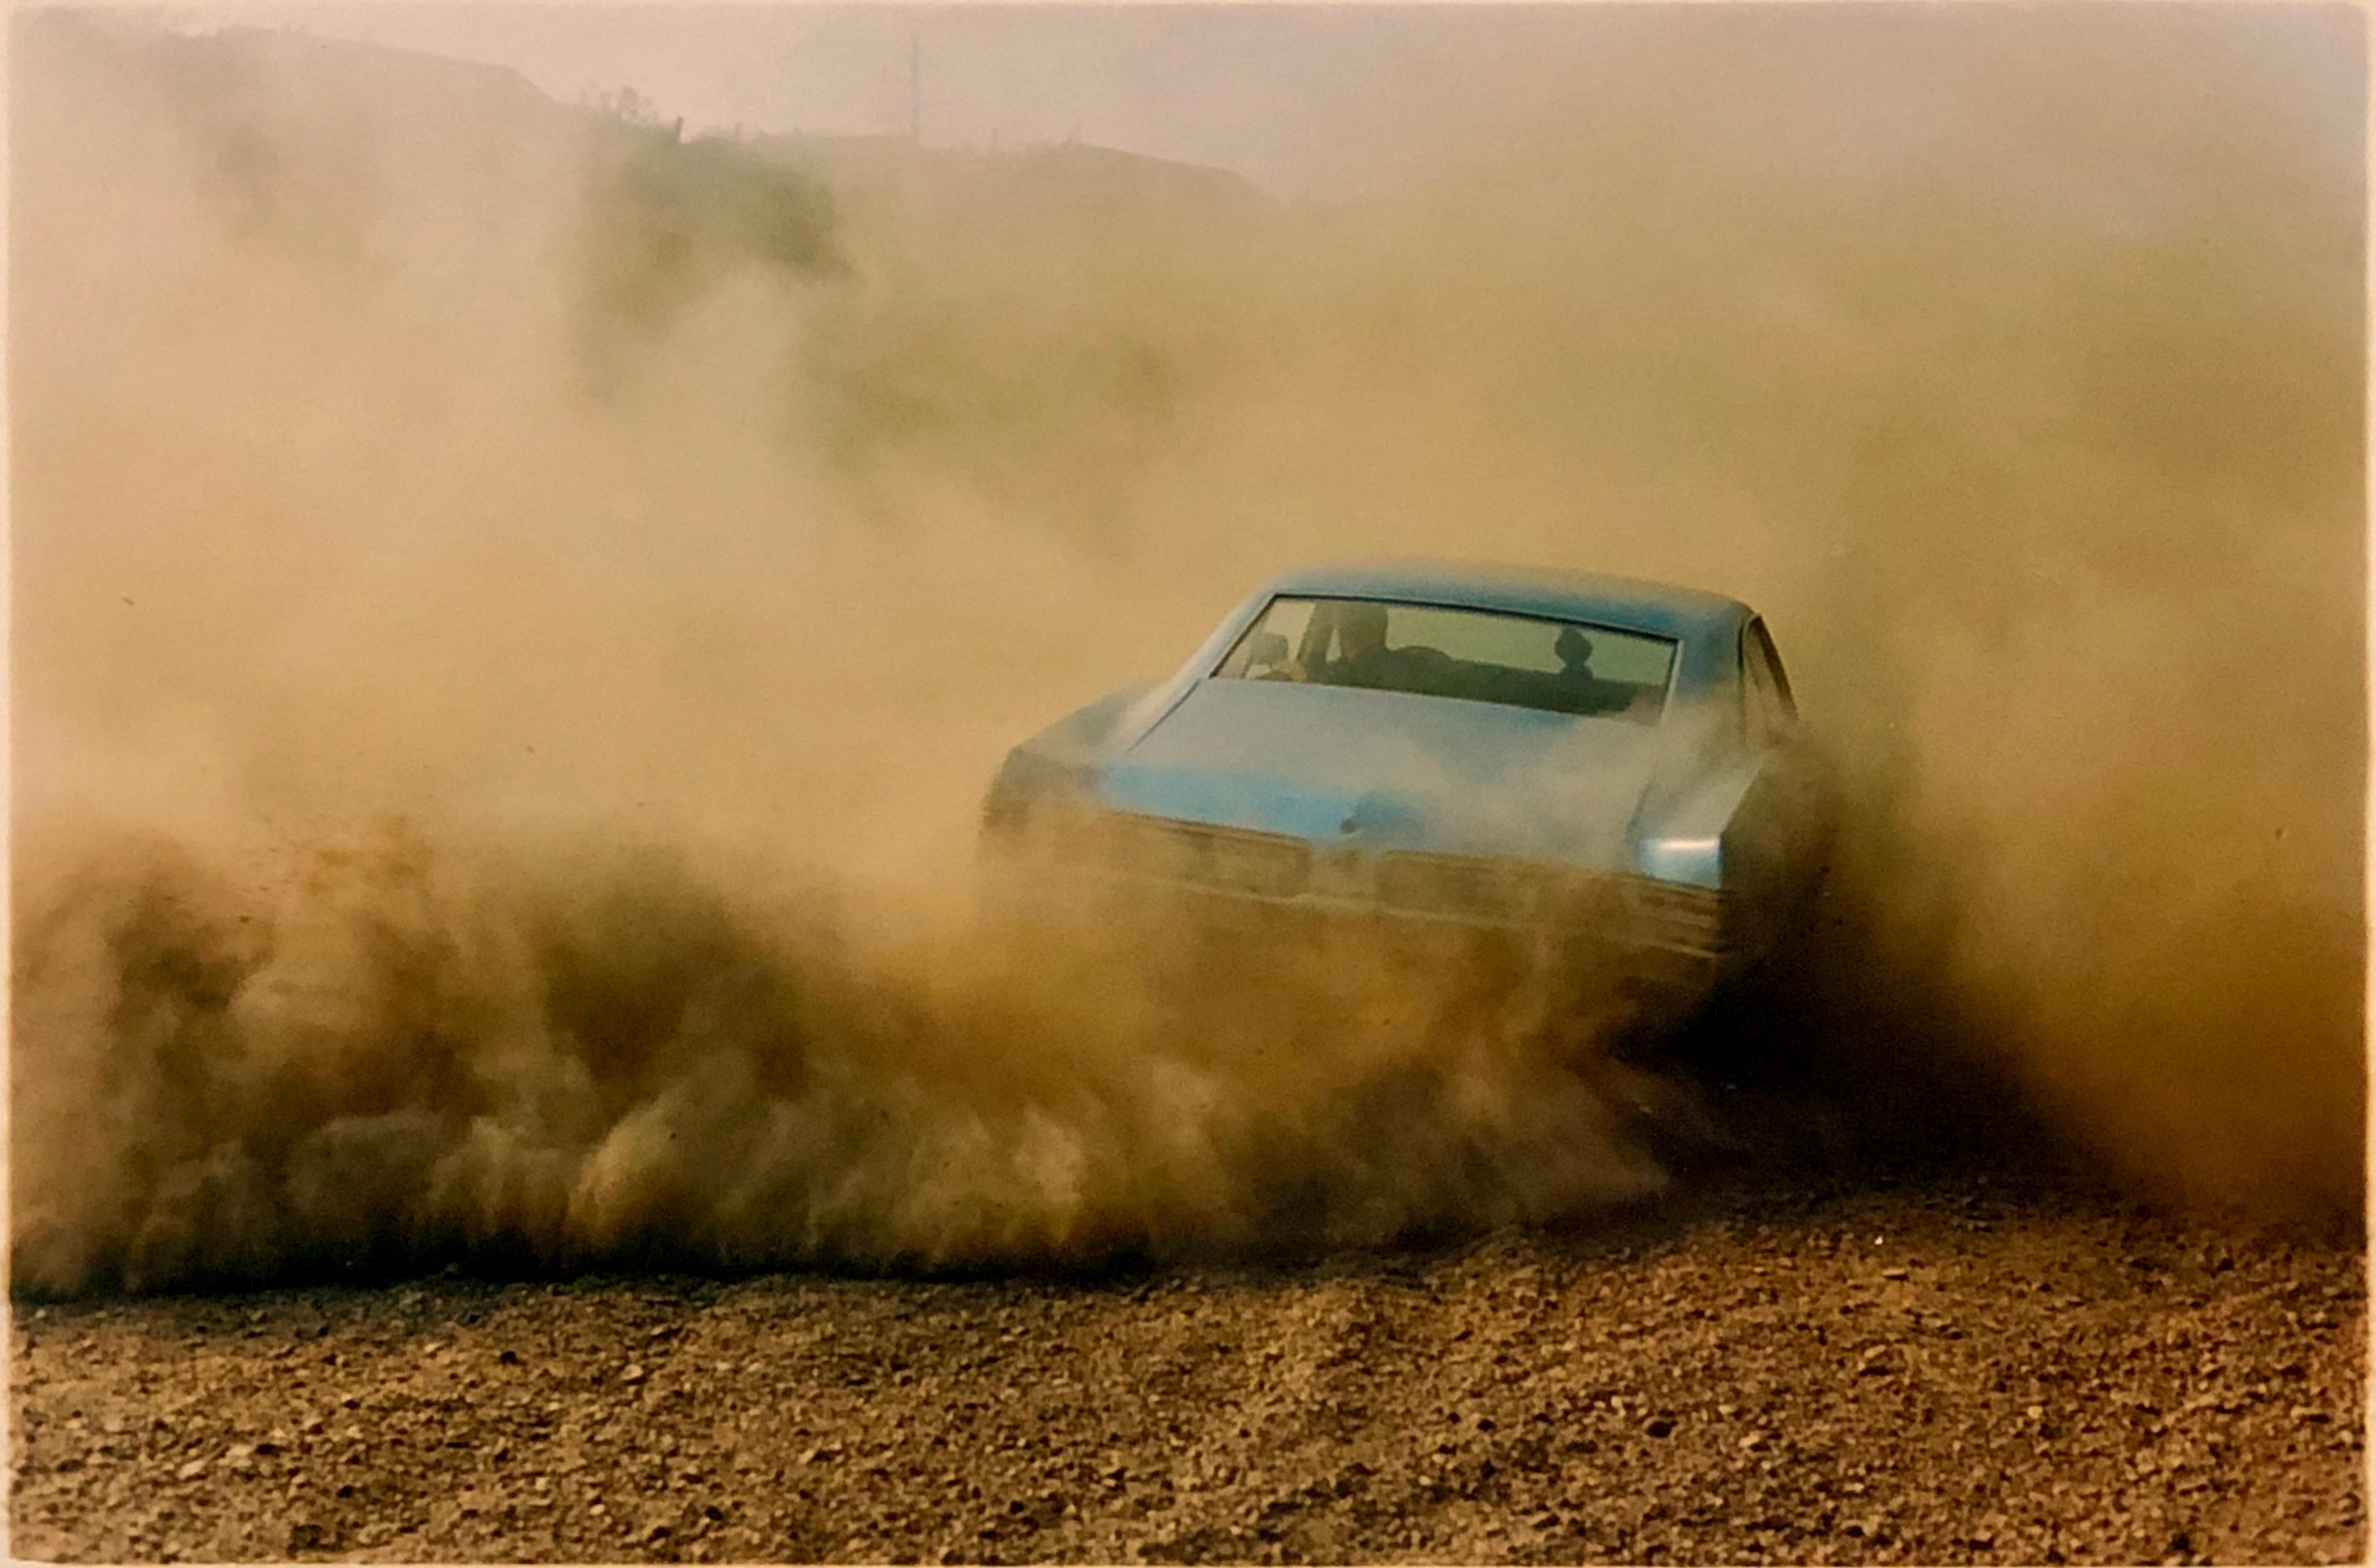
point(514, 608)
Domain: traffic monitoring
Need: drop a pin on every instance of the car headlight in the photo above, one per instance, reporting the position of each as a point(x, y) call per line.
point(1695, 862)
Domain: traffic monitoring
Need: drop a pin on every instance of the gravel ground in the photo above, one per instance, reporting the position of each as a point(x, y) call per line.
point(1963, 1369)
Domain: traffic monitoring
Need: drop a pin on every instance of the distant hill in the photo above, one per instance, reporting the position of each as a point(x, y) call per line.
point(278, 77)
point(330, 139)
point(1076, 174)
point(244, 69)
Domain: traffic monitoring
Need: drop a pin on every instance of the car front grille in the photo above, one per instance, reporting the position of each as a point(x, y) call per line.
point(1630, 911)
point(1634, 911)
point(1268, 865)
point(1466, 887)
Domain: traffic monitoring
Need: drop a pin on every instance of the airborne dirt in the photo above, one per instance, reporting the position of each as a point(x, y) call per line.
point(392, 444)
point(1979, 1370)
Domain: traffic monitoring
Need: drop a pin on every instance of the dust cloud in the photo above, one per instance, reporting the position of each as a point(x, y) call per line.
point(515, 609)
point(603, 1057)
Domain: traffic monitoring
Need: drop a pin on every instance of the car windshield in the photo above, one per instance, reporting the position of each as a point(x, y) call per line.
point(1474, 655)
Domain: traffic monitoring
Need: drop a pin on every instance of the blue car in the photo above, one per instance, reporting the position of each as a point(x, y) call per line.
point(1588, 764)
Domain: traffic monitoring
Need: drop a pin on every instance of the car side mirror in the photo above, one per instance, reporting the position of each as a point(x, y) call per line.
point(1265, 650)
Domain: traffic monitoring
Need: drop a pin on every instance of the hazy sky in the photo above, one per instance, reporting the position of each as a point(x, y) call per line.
point(1307, 98)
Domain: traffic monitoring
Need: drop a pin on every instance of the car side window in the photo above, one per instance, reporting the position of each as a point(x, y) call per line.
point(1770, 713)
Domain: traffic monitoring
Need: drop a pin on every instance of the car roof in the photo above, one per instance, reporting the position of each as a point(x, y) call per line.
point(1663, 609)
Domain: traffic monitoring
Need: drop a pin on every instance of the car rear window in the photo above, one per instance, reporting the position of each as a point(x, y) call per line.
point(1444, 652)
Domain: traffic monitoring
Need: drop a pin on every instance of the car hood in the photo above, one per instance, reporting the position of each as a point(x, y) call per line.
point(1388, 770)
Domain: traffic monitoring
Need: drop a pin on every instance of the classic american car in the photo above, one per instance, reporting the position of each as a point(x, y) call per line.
point(1584, 762)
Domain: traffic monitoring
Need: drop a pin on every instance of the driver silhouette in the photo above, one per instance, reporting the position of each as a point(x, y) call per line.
point(1363, 658)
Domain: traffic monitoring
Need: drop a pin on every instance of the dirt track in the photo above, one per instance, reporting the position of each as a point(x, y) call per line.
point(1965, 1370)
